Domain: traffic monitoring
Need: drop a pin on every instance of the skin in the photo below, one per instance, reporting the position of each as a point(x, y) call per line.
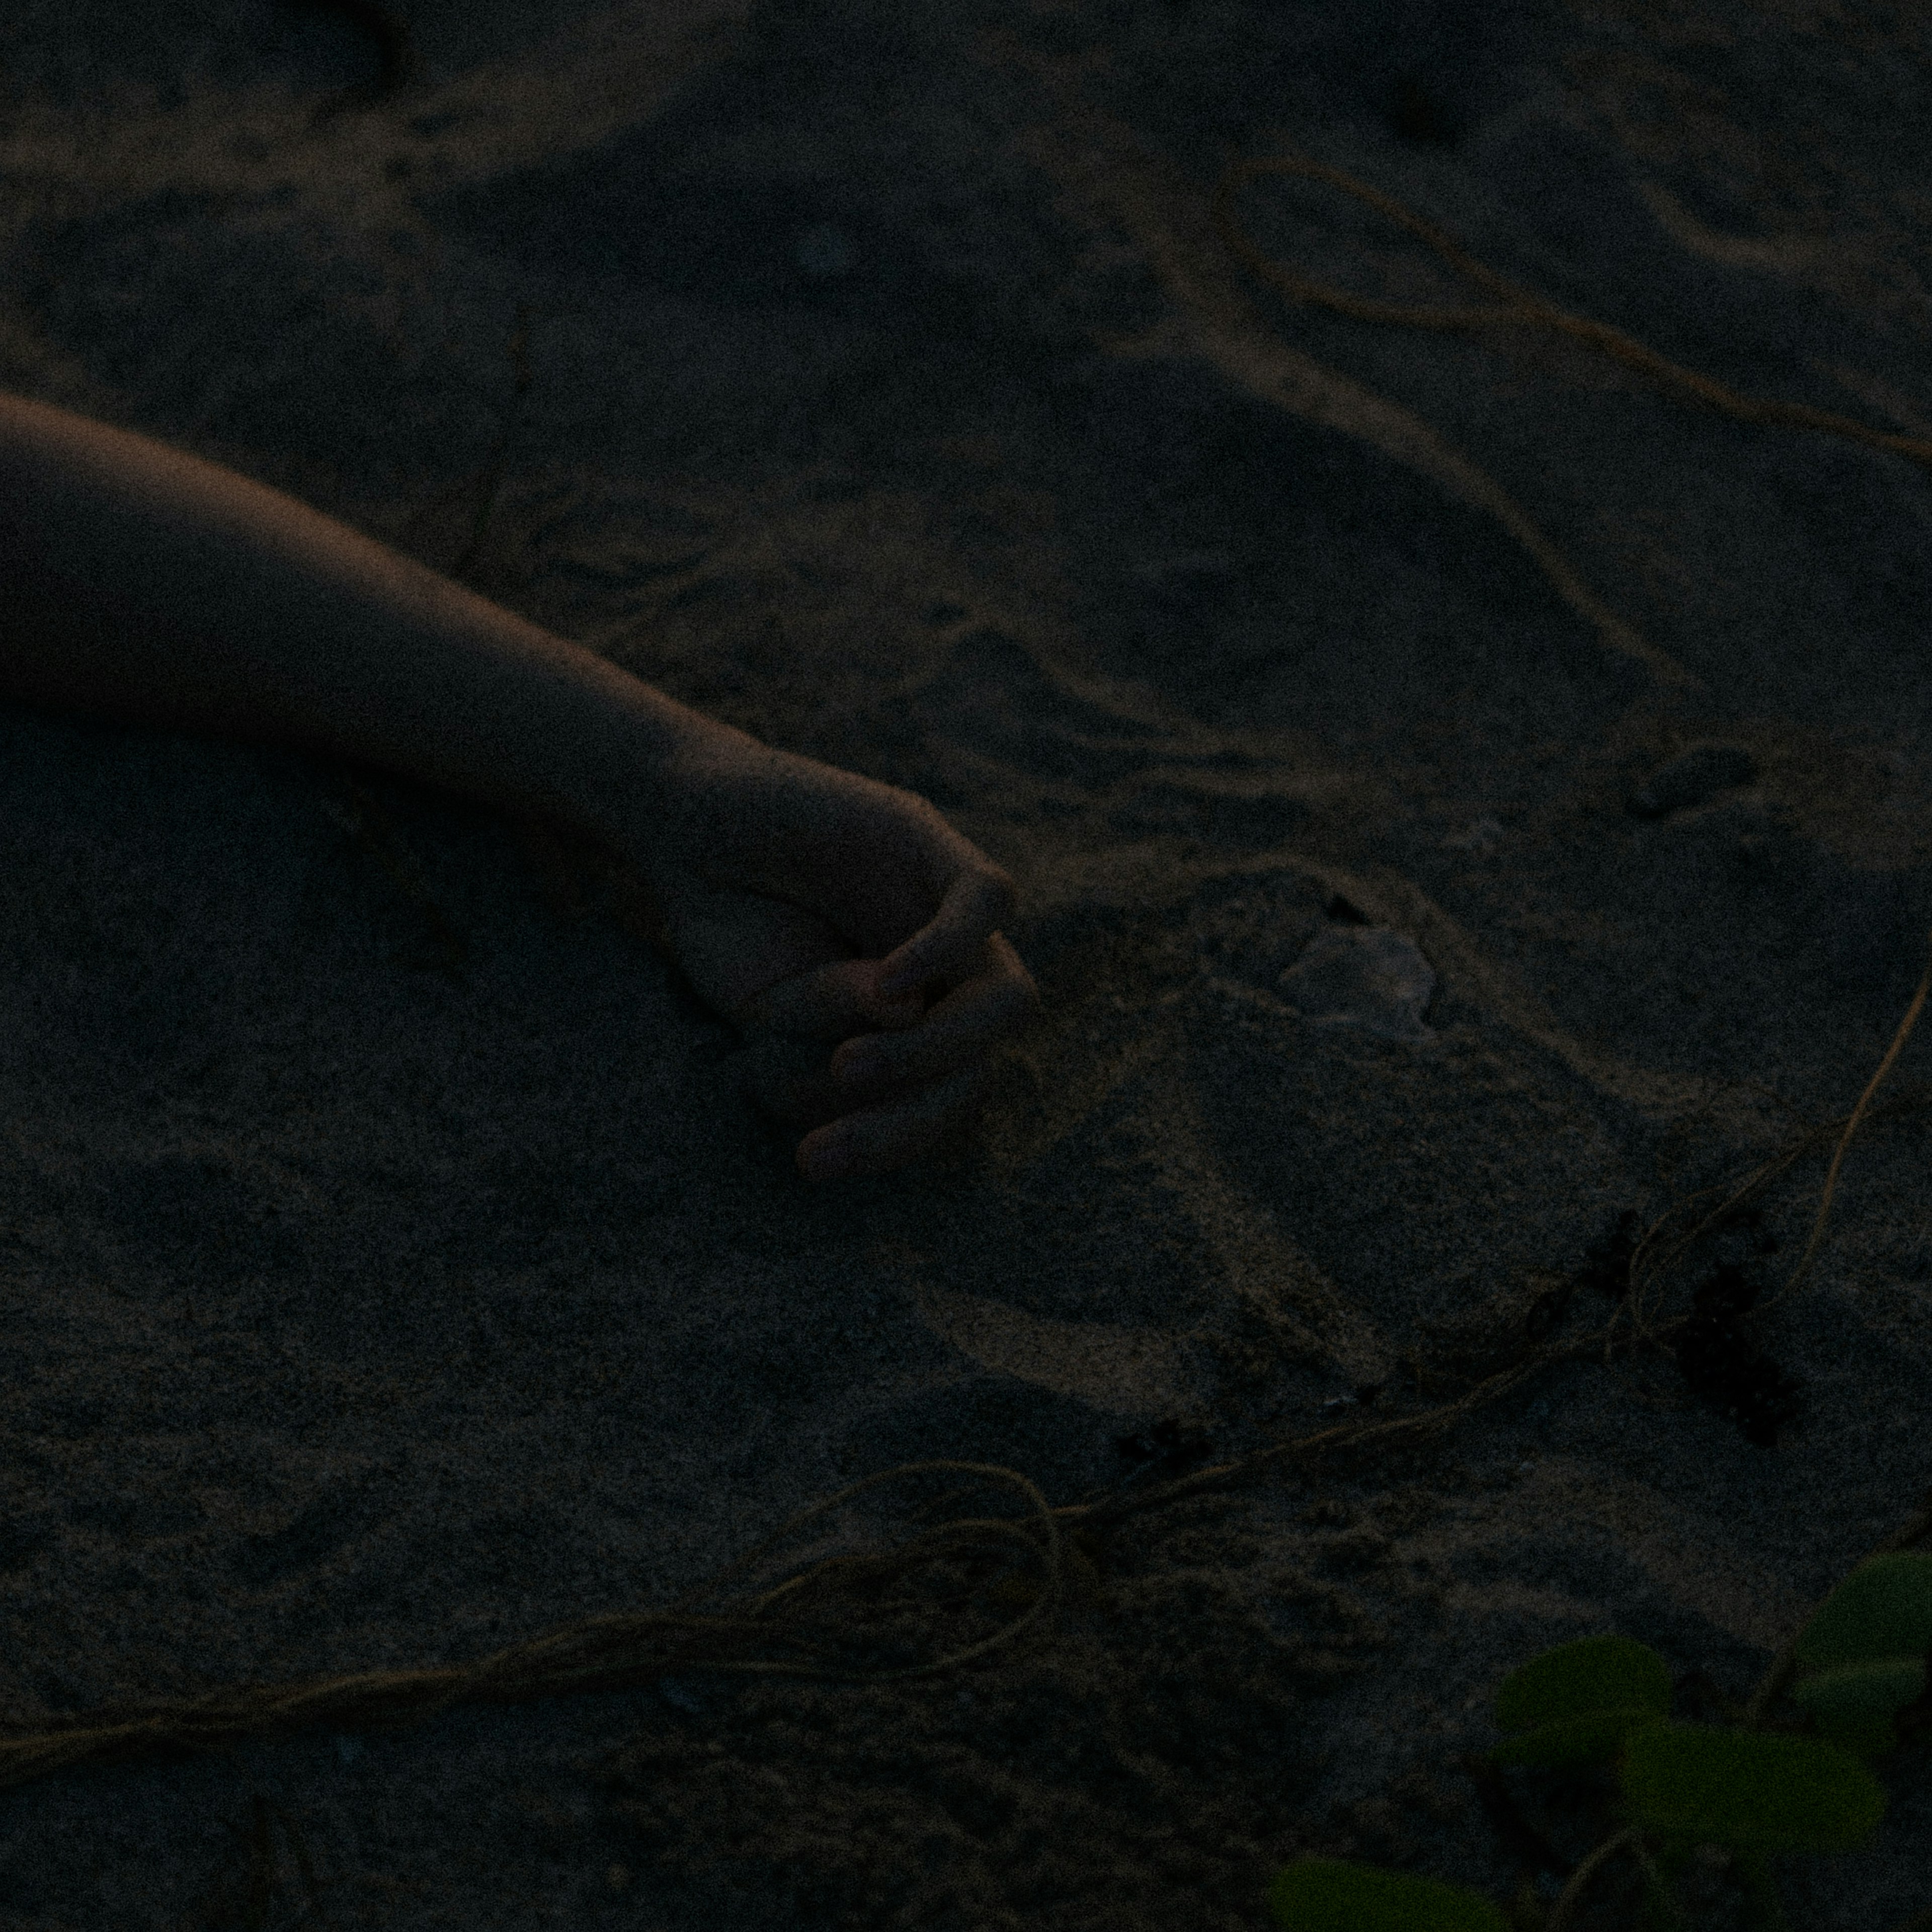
point(851, 935)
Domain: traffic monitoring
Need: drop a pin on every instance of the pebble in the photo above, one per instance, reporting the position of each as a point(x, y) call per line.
point(1698, 773)
point(1363, 976)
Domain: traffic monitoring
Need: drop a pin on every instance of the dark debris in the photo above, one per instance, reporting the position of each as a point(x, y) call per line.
point(1167, 1449)
point(1606, 1266)
point(1723, 1366)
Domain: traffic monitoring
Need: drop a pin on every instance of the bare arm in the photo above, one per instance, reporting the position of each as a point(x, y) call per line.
point(142, 583)
point(848, 931)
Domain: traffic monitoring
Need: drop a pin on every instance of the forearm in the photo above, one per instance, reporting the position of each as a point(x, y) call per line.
point(140, 582)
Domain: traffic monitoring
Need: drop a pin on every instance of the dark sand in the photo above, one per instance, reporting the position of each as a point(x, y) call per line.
point(390, 1269)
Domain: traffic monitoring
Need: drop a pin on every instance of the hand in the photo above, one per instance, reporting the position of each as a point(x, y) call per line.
point(848, 932)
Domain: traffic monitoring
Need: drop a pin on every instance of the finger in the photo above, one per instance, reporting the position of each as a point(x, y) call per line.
point(788, 1029)
point(893, 1011)
point(998, 1006)
point(977, 903)
point(829, 1003)
point(877, 1139)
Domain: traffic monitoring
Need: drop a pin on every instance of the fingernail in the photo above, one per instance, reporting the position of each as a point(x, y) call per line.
point(900, 979)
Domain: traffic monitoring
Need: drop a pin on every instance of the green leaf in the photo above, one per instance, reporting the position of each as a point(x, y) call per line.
point(1594, 1673)
point(1329, 1895)
point(1594, 1738)
point(1855, 1704)
point(1754, 1791)
point(1883, 1609)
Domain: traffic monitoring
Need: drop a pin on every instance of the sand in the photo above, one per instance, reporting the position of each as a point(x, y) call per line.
point(391, 1270)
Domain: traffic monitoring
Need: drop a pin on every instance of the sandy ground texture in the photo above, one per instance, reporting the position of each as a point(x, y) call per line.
point(390, 1269)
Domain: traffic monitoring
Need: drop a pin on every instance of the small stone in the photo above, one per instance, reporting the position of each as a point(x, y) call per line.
point(1362, 976)
point(1698, 773)
point(348, 1749)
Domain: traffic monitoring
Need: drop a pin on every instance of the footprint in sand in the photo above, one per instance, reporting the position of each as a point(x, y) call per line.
point(1363, 976)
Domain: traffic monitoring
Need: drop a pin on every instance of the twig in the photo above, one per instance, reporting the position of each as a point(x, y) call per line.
point(1572, 1896)
point(1898, 1040)
point(1522, 308)
point(1659, 1891)
point(1517, 1832)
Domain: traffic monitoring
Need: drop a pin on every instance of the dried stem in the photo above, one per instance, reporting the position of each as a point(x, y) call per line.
point(1572, 1897)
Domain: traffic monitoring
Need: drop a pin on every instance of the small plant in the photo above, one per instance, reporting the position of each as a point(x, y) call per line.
point(1575, 1705)
point(1755, 1793)
point(1864, 1652)
point(1327, 1895)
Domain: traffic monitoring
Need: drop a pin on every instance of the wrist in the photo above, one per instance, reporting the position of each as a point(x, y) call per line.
point(633, 785)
